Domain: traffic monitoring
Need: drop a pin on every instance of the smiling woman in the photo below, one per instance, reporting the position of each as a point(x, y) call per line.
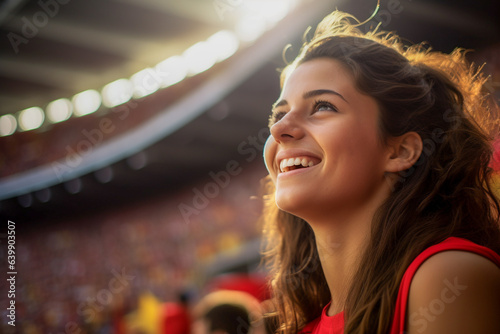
point(378, 194)
point(336, 133)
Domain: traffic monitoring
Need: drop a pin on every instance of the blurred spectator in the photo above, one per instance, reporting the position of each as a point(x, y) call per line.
point(228, 312)
point(175, 318)
point(254, 284)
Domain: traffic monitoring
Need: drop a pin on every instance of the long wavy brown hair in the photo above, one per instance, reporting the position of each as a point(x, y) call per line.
point(446, 193)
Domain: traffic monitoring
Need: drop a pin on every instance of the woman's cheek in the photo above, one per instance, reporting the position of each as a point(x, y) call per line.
point(269, 155)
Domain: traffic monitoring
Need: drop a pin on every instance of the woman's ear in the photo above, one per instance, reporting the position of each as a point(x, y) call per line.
point(404, 151)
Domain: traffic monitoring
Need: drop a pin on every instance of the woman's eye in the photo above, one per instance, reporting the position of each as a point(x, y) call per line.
point(277, 116)
point(324, 106)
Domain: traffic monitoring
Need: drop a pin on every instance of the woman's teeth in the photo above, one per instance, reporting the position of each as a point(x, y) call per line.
point(294, 163)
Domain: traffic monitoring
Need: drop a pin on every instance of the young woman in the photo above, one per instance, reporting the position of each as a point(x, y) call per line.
point(380, 217)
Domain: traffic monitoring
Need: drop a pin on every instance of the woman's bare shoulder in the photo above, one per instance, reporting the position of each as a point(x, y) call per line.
point(455, 292)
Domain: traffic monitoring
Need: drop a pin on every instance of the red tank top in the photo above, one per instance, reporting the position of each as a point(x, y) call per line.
point(335, 324)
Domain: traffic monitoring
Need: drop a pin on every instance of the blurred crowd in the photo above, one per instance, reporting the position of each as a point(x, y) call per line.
point(122, 271)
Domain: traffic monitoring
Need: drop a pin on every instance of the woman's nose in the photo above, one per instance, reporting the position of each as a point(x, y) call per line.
point(288, 128)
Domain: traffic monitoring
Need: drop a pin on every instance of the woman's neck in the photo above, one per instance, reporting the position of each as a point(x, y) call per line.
point(341, 240)
point(340, 253)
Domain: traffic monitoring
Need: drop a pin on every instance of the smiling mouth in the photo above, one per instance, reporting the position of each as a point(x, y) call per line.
point(287, 165)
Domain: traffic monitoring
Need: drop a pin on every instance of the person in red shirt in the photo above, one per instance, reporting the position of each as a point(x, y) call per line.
point(175, 318)
point(380, 215)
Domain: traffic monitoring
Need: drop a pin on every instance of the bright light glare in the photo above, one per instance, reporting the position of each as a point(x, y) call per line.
point(249, 28)
point(59, 110)
point(145, 82)
point(199, 57)
point(260, 15)
point(271, 10)
point(171, 70)
point(225, 43)
point(86, 102)
point(8, 125)
point(117, 92)
point(31, 118)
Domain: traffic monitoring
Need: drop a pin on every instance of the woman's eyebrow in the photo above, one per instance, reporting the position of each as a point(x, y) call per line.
point(279, 104)
point(317, 92)
point(309, 94)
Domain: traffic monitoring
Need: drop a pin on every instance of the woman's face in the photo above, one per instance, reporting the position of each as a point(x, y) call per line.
point(325, 154)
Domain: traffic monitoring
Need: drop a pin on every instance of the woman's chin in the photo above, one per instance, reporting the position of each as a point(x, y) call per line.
point(292, 206)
